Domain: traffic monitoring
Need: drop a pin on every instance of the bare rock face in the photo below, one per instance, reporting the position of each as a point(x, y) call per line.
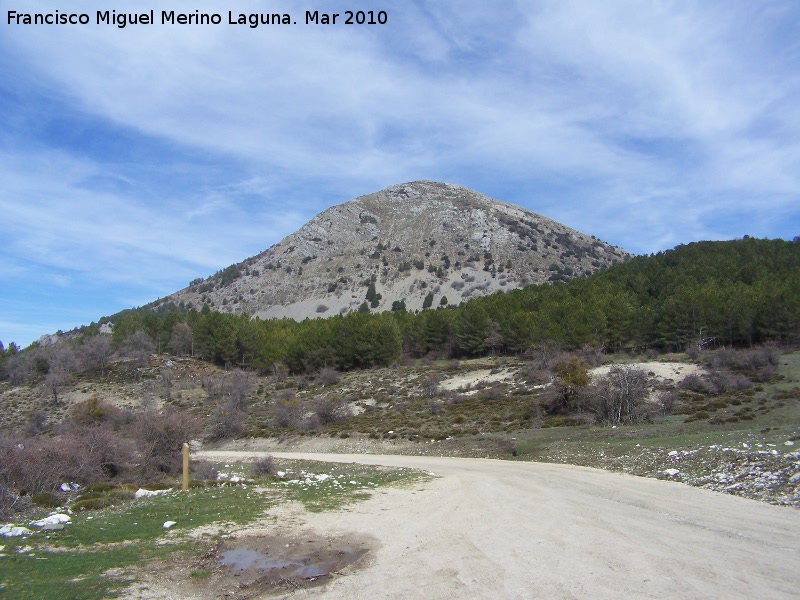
point(404, 244)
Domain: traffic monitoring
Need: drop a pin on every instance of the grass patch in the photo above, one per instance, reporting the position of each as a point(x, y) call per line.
point(200, 574)
point(326, 486)
point(90, 557)
point(45, 574)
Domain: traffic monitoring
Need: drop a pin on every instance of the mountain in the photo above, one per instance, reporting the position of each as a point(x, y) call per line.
point(402, 244)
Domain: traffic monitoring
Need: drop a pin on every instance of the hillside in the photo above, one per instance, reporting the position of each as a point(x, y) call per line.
point(732, 415)
point(409, 241)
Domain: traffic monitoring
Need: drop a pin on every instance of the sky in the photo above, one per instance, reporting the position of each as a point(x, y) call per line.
point(135, 159)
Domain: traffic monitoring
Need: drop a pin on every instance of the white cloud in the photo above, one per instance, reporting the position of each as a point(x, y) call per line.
point(51, 219)
point(560, 91)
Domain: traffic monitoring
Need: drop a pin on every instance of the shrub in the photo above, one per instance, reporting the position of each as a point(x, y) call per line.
point(9, 503)
point(331, 410)
point(94, 411)
point(430, 385)
point(100, 486)
point(155, 486)
point(46, 500)
point(137, 346)
point(312, 423)
point(91, 504)
point(263, 466)
point(723, 381)
point(235, 387)
point(558, 421)
point(327, 376)
point(666, 401)
point(792, 394)
point(94, 453)
point(91, 495)
point(226, 422)
point(37, 423)
point(700, 415)
point(202, 469)
point(492, 394)
point(694, 383)
point(287, 411)
point(159, 437)
point(82, 455)
point(287, 392)
point(124, 490)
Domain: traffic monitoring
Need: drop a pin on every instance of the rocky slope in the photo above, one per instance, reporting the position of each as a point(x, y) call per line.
point(410, 241)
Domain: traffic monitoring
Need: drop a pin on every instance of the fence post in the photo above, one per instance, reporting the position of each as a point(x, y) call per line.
point(185, 483)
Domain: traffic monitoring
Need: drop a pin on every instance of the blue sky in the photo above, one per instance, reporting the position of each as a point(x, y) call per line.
point(134, 160)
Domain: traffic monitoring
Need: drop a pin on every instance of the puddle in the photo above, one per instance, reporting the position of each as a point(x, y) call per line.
point(259, 565)
point(241, 559)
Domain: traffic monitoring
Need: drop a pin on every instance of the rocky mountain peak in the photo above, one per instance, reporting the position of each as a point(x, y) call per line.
point(415, 245)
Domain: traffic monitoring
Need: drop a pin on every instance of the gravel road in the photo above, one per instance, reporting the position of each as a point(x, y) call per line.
point(501, 529)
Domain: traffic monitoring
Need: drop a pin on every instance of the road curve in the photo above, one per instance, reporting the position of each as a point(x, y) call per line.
point(501, 529)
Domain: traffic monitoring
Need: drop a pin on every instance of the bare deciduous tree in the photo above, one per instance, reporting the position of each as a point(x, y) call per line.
point(19, 367)
point(621, 396)
point(61, 364)
point(237, 388)
point(96, 352)
point(167, 381)
point(159, 436)
point(494, 337)
point(137, 347)
point(182, 340)
point(233, 387)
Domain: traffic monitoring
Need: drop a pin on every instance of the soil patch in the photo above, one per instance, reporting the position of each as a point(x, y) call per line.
point(253, 565)
point(669, 372)
point(475, 378)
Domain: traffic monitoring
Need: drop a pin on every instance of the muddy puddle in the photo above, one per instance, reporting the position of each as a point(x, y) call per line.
point(250, 566)
point(242, 559)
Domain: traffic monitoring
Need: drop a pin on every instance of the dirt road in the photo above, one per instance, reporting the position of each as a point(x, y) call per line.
point(499, 529)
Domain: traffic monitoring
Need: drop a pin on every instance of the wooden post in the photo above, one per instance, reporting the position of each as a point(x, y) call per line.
point(185, 484)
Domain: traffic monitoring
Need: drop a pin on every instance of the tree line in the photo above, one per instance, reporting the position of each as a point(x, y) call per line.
point(736, 293)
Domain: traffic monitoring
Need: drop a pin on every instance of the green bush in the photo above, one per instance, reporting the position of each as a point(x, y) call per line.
point(91, 495)
point(158, 486)
point(91, 504)
point(46, 500)
point(100, 486)
point(559, 421)
point(122, 493)
point(700, 415)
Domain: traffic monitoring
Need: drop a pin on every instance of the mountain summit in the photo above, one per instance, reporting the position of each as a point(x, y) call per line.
point(413, 245)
